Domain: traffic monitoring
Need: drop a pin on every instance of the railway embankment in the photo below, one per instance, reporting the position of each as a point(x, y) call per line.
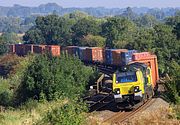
point(154, 111)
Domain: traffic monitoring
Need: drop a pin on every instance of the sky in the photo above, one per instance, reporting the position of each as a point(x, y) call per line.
point(96, 3)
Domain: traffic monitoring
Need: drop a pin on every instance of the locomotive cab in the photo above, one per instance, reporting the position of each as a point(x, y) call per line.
point(134, 84)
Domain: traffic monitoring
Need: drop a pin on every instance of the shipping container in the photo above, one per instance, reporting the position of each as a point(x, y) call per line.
point(11, 48)
point(53, 49)
point(108, 56)
point(19, 49)
point(126, 57)
point(71, 50)
point(39, 49)
point(151, 61)
point(81, 53)
point(28, 48)
point(142, 55)
point(116, 56)
point(94, 54)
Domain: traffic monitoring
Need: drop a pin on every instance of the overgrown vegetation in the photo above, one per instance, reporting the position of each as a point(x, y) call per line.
point(13, 69)
point(40, 79)
point(52, 78)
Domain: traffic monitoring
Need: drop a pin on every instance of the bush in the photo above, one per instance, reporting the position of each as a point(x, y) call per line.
point(69, 114)
point(173, 86)
point(16, 68)
point(6, 98)
point(173, 92)
point(3, 47)
point(29, 105)
point(54, 77)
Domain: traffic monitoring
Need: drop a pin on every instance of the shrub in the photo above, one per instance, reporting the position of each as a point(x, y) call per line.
point(69, 114)
point(3, 46)
point(54, 77)
point(172, 93)
point(6, 98)
point(29, 105)
point(173, 86)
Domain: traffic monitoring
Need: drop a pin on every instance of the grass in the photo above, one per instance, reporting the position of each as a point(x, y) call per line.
point(28, 116)
point(176, 111)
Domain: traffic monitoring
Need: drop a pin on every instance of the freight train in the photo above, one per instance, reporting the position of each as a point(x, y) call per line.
point(136, 73)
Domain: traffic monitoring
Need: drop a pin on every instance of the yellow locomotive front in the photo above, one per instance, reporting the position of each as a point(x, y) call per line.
point(132, 85)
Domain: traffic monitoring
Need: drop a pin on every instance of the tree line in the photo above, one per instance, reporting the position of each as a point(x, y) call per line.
point(49, 8)
point(19, 19)
point(146, 34)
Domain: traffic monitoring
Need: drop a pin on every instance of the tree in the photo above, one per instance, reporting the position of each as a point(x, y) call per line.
point(77, 15)
point(3, 46)
point(157, 13)
point(129, 14)
point(143, 41)
point(177, 30)
point(34, 36)
point(93, 41)
point(172, 21)
point(11, 38)
point(166, 46)
point(51, 29)
point(146, 20)
point(118, 31)
point(83, 27)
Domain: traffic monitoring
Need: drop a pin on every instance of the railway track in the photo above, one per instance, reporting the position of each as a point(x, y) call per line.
point(106, 100)
point(123, 116)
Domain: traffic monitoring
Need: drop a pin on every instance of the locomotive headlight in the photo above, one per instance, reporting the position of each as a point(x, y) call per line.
point(136, 89)
point(117, 91)
point(91, 87)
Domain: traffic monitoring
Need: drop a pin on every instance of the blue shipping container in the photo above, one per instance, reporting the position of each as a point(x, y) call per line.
point(81, 52)
point(76, 51)
point(108, 56)
point(126, 57)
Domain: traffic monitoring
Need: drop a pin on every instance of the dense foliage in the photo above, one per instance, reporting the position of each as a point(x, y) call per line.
point(45, 79)
point(53, 78)
point(8, 38)
point(3, 46)
point(12, 69)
